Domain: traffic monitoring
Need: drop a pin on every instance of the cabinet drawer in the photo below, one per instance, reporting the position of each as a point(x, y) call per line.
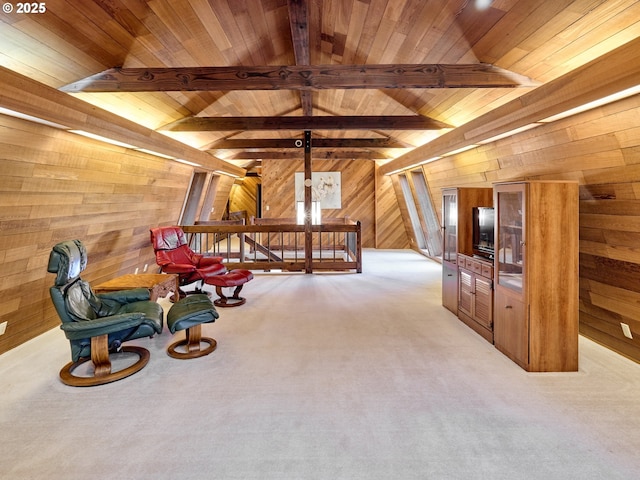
point(462, 261)
point(475, 267)
point(487, 271)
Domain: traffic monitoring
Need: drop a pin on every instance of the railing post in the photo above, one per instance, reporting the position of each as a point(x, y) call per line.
point(308, 234)
point(358, 247)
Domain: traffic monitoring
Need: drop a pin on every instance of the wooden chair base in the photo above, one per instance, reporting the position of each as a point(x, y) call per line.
point(102, 365)
point(233, 301)
point(183, 294)
point(192, 345)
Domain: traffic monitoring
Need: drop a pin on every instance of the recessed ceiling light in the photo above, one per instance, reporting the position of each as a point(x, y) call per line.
point(483, 4)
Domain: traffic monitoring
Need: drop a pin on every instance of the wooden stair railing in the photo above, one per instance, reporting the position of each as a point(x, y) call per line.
point(268, 251)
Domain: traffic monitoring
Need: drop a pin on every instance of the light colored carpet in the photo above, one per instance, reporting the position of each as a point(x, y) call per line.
point(325, 376)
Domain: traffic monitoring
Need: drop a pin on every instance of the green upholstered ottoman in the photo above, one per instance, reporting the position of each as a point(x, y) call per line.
point(189, 314)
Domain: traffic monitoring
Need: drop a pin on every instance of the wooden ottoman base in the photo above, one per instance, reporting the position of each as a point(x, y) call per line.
point(189, 314)
point(235, 278)
point(192, 345)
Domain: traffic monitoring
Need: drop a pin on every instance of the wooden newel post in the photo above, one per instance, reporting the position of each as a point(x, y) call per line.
point(308, 238)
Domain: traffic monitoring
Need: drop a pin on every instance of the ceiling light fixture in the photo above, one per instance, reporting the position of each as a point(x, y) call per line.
point(483, 4)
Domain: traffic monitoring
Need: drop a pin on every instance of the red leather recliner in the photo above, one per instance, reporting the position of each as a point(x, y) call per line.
point(173, 255)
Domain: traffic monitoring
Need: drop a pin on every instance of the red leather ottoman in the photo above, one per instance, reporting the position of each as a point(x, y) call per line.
point(235, 278)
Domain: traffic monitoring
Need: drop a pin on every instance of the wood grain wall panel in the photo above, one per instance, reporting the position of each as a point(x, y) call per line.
point(407, 227)
point(390, 228)
point(601, 149)
point(244, 196)
point(278, 187)
point(357, 191)
point(221, 199)
point(59, 186)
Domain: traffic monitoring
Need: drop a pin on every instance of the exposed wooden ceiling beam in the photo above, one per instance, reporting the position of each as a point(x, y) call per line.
point(317, 155)
point(397, 122)
point(299, 77)
point(242, 144)
point(299, 22)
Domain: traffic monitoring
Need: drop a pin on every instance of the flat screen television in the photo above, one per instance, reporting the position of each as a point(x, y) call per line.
point(483, 223)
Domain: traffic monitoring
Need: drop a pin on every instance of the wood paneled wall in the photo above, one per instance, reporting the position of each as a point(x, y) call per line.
point(223, 185)
point(244, 196)
point(357, 183)
point(601, 150)
point(391, 229)
point(58, 186)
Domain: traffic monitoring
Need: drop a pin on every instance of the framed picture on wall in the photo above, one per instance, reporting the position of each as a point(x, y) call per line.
point(326, 188)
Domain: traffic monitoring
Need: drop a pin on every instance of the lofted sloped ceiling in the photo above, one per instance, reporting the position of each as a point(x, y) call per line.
point(372, 79)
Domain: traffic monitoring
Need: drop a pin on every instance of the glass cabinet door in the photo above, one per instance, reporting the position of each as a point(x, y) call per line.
point(511, 240)
point(450, 227)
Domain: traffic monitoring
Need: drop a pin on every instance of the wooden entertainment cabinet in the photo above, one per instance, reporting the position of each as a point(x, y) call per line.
point(536, 282)
point(475, 294)
point(526, 300)
point(458, 276)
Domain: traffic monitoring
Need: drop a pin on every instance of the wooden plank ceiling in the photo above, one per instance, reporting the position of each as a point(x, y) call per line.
point(372, 79)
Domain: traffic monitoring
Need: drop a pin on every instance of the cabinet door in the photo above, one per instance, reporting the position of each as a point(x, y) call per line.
point(450, 227)
point(450, 287)
point(466, 292)
point(483, 311)
point(511, 327)
point(510, 223)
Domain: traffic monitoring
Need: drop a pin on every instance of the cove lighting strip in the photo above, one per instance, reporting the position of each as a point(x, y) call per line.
point(100, 138)
point(596, 103)
point(151, 152)
point(553, 118)
point(24, 116)
point(187, 162)
point(220, 172)
point(428, 160)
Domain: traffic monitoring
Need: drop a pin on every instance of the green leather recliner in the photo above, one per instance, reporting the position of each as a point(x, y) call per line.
point(97, 325)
